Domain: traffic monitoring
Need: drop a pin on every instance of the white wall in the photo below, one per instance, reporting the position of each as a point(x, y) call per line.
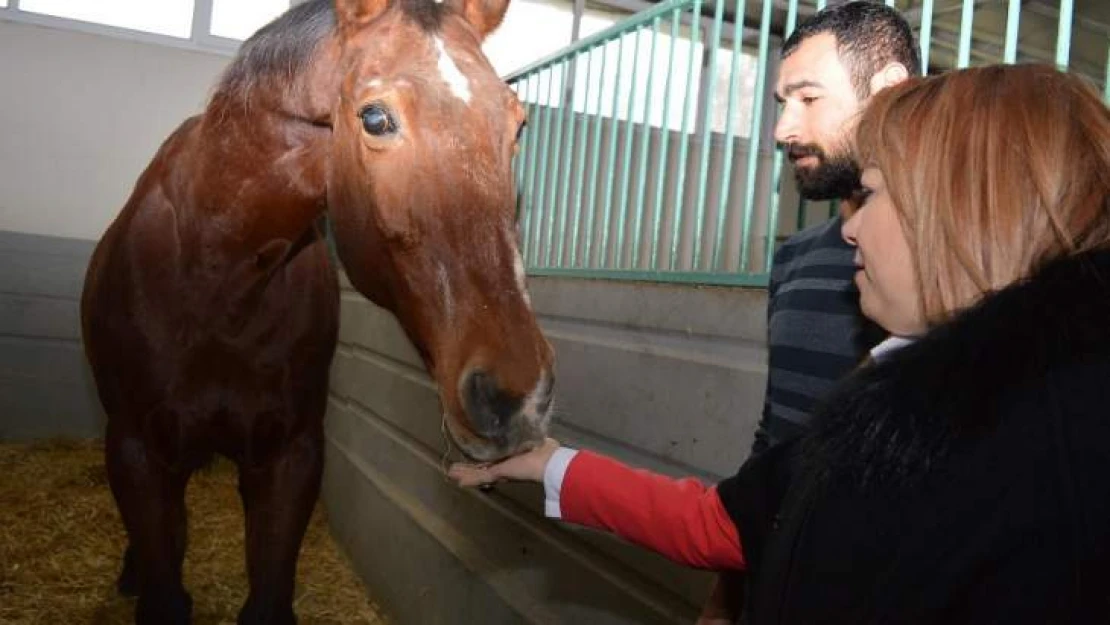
point(519, 42)
point(80, 117)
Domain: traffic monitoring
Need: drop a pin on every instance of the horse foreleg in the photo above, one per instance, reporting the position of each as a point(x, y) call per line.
point(128, 582)
point(278, 499)
point(151, 501)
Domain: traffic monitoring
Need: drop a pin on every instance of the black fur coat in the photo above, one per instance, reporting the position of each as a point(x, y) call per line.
point(964, 479)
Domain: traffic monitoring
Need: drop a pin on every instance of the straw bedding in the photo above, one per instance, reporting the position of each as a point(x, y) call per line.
point(61, 542)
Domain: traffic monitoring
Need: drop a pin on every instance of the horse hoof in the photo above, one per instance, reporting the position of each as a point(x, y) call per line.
point(253, 613)
point(155, 609)
point(127, 585)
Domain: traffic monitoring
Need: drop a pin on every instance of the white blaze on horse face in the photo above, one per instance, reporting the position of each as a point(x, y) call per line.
point(531, 409)
point(450, 73)
point(518, 269)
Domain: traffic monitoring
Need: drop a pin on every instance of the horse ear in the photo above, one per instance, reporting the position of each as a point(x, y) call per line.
point(351, 15)
point(484, 15)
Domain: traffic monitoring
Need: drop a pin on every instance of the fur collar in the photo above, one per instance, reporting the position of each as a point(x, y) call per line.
point(889, 423)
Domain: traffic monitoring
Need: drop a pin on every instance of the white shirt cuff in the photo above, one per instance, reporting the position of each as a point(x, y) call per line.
point(553, 475)
point(888, 346)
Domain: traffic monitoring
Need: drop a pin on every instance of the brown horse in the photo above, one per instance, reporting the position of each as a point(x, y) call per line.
point(210, 308)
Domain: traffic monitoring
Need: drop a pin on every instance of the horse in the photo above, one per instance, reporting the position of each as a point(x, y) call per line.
point(211, 303)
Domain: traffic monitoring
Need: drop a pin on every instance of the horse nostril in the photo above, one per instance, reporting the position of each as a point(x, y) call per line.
point(489, 406)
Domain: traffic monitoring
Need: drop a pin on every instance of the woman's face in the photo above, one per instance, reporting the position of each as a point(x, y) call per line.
point(884, 267)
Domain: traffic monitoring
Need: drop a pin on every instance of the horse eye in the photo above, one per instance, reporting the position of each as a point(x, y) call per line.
point(520, 130)
point(377, 121)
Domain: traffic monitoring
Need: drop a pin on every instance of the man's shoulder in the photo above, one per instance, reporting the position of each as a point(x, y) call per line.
point(821, 244)
point(825, 234)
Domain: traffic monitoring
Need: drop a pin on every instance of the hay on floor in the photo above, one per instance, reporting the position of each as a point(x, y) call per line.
point(61, 542)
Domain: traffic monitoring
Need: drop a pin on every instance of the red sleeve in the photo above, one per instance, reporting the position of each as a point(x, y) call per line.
point(682, 519)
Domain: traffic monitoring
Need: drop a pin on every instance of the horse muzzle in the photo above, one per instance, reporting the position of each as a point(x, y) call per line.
point(503, 423)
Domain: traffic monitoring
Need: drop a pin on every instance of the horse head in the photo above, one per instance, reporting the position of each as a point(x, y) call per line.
point(421, 195)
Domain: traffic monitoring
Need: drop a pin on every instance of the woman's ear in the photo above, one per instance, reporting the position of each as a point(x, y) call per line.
point(891, 74)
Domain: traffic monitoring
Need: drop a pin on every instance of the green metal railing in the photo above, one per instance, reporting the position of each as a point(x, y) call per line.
point(649, 153)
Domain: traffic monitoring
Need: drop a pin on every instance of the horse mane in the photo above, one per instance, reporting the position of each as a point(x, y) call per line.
point(279, 50)
point(284, 47)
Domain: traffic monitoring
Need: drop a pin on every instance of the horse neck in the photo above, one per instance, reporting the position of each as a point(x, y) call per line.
point(260, 171)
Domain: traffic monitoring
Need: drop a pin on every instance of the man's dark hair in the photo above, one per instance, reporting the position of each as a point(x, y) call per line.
point(869, 35)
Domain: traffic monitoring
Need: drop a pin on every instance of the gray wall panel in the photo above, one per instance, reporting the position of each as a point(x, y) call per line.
point(46, 388)
point(362, 323)
point(46, 266)
point(433, 553)
point(39, 317)
point(678, 399)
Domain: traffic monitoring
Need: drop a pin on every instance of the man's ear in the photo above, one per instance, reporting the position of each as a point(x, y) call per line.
point(891, 74)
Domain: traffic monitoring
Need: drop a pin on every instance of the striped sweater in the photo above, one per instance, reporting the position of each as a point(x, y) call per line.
point(815, 331)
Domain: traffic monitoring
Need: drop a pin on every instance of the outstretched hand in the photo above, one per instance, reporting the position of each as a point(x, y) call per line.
point(528, 466)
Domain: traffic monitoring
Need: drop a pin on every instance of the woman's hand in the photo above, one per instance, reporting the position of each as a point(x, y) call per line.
point(528, 466)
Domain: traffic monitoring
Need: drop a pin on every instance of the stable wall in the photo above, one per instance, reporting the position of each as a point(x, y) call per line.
point(81, 115)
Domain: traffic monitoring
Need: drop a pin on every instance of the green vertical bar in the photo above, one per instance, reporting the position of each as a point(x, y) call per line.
point(545, 149)
point(622, 209)
point(1063, 34)
point(821, 4)
point(926, 34)
point(527, 197)
point(1013, 23)
point(800, 223)
point(776, 168)
point(532, 131)
point(564, 207)
point(773, 217)
point(518, 160)
point(558, 167)
point(1106, 81)
point(706, 138)
point(581, 160)
point(657, 235)
point(730, 135)
point(596, 152)
point(645, 143)
point(684, 139)
point(610, 166)
point(963, 55)
point(889, 3)
point(753, 137)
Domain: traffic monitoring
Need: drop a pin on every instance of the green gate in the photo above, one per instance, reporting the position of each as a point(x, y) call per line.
point(649, 152)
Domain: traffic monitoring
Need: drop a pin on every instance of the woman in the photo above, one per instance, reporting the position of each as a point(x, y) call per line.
point(964, 475)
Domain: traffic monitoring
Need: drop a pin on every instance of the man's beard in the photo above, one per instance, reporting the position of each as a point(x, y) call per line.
point(835, 177)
